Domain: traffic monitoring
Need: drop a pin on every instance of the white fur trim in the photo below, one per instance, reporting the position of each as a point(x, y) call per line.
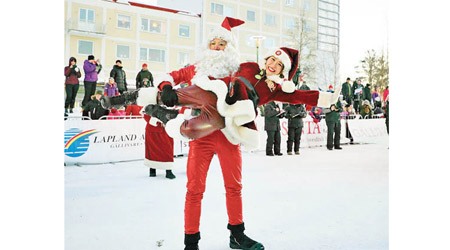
point(162, 78)
point(154, 121)
point(158, 164)
point(249, 138)
point(288, 86)
point(147, 96)
point(327, 98)
point(242, 111)
point(221, 32)
point(173, 127)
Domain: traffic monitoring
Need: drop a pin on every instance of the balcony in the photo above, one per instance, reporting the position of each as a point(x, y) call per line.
point(75, 27)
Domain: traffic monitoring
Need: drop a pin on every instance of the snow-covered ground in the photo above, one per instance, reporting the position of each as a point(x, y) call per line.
point(319, 200)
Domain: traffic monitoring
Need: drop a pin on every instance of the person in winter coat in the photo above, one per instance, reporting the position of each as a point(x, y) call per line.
point(357, 94)
point(316, 114)
point(366, 110)
point(91, 70)
point(304, 86)
point(385, 95)
point(294, 114)
point(111, 88)
point(93, 108)
point(386, 113)
point(119, 76)
point(116, 114)
point(367, 95)
point(273, 128)
point(376, 98)
point(347, 91)
point(144, 78)
point(333, 120)
point(72, 73)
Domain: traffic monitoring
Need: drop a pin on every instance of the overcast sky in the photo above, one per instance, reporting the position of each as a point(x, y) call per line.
point(363, 25)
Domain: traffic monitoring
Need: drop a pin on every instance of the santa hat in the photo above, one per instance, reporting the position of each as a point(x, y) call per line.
point(289, 57)
point(330, 87)
point(224, 31)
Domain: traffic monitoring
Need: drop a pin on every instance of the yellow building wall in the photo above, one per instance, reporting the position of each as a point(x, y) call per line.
point(212, 17)
point(111, 55)
point(97, 49)
point(173, 58)
point(111, 24)
point(75, 13)
point(176, 39)
point(290, 9)
point(154, 66)
point(243, 16)
point(273, 6)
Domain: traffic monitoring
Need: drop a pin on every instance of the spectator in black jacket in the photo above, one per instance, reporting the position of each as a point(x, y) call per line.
point(294, 114)
point(273, 128)
point(93, 108)
point(119, 76)
point(333, 120)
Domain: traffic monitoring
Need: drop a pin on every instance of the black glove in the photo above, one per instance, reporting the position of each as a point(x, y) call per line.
point(169, 96)
point(232, 96)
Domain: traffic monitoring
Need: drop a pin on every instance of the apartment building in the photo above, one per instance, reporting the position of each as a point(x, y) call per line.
point(133, 32)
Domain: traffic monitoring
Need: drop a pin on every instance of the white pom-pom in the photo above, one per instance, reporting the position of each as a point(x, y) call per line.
point(288, 86)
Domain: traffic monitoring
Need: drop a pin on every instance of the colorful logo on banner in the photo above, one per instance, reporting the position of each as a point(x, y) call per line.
point(76, 142)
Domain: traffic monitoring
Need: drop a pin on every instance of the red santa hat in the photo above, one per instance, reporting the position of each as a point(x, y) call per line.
point(330, 87)
point(224, 31)
point(289, 57)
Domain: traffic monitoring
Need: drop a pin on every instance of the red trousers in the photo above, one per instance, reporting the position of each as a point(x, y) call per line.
point(201, 152)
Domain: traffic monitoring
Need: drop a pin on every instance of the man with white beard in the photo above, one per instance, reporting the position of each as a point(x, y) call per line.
point(219, 61)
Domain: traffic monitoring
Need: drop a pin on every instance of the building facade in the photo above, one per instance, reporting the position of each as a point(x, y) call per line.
point(135, 33)
point(167, 39)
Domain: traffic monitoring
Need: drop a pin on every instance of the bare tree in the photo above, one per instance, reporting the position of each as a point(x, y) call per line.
point(375, 68)
point(305, 42)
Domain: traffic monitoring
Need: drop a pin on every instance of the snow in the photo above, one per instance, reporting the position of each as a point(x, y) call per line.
point(317, 200)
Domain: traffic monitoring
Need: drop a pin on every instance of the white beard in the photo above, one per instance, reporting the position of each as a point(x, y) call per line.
point(217, 63)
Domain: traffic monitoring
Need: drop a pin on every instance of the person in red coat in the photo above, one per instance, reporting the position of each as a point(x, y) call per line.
point(158, 148)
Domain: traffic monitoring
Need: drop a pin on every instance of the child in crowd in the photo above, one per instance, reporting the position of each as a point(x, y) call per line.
point(111, 88)
point(116, 112)
point(315, 114)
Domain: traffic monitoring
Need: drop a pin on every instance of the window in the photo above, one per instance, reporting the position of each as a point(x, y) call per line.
point(222, 10)
point(217, 9)
point(153, 26)
point(269, 43)
point(85, 47)
point(183, 58)
point(123, 51)
point(153, 55)
point(328, 47)
point(123, 22)
point(327, 6)
point(328, 39)
point(328, 31)
point(329, 15)
point(183, 30)
point(250, 42)
point(290, 3)
point(270, 20)
point(251, 16)
point(307, 6)
point(329, 23)
point(87, 16)
point(271, 1)
point(289, 23)
point(306, 26)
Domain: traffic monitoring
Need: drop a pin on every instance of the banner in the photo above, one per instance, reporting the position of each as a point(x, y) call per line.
point(368, 130)
point(313, 134)
point(103, 141)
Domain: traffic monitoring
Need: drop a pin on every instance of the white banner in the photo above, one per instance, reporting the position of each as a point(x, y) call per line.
point(103, 141)
point(367, 130)
point(313, 134)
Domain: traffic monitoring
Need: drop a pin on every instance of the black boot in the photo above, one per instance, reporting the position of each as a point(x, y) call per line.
point(170, 175)
point(163, 114)
point(152, 172)
point(125, 99)
point(238, 240)
point(191, 241)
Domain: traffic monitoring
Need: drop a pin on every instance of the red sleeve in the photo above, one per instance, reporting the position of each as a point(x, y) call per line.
point(183, 75)
point(66, 71)
point(308, 97)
